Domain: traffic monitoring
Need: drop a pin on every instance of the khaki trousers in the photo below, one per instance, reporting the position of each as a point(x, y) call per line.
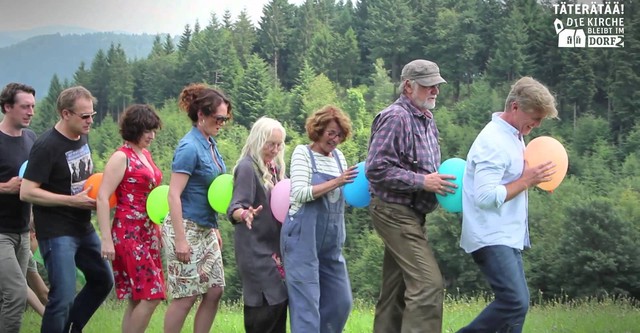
point(412, 288)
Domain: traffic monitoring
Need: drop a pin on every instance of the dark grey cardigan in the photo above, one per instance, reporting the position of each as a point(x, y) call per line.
point(255, 248)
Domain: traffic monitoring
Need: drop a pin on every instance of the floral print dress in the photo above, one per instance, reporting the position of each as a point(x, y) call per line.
point(137, 266)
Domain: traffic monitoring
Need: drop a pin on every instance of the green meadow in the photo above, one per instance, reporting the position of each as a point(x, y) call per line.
point(584, 316)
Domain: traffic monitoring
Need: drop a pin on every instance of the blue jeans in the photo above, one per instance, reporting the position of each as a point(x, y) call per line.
point(502, 267)
point(66, 312)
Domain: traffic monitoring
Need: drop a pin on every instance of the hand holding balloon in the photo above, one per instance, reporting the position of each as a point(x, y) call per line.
point(356, 193)
point(450, 196)
point(538, 153)
point(438, 183)
point(541, 173)
point(93, 185)
point(348, 175)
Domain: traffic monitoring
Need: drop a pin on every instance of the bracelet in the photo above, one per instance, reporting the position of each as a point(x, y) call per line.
point(243, 215)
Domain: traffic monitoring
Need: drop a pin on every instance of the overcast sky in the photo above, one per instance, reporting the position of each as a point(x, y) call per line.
point(135, 16)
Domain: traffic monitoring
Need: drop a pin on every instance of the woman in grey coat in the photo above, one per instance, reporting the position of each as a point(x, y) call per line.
point(257, 232)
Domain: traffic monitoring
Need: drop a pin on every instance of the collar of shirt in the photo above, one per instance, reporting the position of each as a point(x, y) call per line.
point(495, 117)
point(408, 105)
point(201, 139)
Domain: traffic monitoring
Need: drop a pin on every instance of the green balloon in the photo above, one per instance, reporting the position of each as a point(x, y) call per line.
point(158, 204)
point(38, 257)
point(220, 193)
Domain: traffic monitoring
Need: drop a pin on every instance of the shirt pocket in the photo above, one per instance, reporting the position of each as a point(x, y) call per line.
point(206, 167)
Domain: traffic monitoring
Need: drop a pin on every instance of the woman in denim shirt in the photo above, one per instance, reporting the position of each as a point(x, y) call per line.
point(190, 232)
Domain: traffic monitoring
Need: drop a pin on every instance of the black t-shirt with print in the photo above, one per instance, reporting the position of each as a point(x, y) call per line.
point(14, 150)
point(61, 166)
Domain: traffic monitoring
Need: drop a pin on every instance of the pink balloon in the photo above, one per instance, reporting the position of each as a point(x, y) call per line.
point(280, 199)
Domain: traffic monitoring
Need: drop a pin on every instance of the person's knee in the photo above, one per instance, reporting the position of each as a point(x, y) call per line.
point(104, 283)
point(184, 303)
point(213, 295)
point(521, 305)
point(149, 305)
point(343, 304)
point(60, 303)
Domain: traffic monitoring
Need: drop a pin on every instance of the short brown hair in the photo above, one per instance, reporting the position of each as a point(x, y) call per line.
point(200, 97)
point(318, 121)
point(67, 98)
point(136, 119)
point(8, 94)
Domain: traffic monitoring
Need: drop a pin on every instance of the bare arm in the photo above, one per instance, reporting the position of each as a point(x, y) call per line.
point(176, 186)
point(113, 174)
point(32, 192)
point(40, 289)
point(34, 302)
point(11, 187)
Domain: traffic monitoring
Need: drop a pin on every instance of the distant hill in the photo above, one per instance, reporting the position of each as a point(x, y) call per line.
point(8, 38)
point(35, 60)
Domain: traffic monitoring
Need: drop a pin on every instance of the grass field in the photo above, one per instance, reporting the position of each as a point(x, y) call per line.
point(587, 316)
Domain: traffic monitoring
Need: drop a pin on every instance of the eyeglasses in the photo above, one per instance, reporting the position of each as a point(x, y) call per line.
point(221, 120)
point(84, 116)
point(332, 134)
point(271, 145)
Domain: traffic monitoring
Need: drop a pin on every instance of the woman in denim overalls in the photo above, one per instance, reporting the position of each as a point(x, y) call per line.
point(313, 233)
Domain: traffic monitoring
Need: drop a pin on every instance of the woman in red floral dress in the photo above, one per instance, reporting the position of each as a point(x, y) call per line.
point(133, 241)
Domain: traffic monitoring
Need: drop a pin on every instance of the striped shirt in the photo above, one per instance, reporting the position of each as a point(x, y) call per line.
point(391, 152)
point(301, 188)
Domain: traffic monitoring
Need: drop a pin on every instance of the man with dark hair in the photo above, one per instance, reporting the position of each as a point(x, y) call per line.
point(17, 102)
point(62, 216)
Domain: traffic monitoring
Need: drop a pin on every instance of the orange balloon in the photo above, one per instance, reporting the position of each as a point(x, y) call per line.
point(95, 180)
point(543, 149)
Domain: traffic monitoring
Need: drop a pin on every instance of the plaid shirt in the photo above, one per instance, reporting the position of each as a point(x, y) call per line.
point(389, 161)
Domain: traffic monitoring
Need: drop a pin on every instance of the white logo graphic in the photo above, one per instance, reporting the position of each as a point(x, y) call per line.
point(602, 26)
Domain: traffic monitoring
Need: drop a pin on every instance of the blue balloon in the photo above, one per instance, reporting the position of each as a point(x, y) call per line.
point(357, 194)
point(452, 202)
point(23, 168)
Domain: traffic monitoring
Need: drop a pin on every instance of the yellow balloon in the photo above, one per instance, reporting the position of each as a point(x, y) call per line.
point(543, 149)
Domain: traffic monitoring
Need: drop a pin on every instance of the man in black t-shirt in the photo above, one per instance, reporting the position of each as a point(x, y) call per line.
point(17, 102)
point(62, 215)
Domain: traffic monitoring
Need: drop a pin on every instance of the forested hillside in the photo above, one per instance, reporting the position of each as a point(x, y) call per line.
point(585, 235)
point(38, 58)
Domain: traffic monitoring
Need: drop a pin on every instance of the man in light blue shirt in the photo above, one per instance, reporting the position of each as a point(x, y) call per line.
point(494, 203)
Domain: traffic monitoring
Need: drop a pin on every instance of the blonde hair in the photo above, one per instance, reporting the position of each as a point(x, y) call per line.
point(258, 136)
point(532, 96)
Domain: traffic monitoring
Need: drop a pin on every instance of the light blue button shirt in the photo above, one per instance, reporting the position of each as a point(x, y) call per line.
point(194, 157)
point(495, 159)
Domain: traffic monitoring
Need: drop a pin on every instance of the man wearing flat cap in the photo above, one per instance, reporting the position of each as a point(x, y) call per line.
point(404, 155)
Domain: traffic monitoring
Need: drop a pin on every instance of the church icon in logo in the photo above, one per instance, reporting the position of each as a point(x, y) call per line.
point(569, 37)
